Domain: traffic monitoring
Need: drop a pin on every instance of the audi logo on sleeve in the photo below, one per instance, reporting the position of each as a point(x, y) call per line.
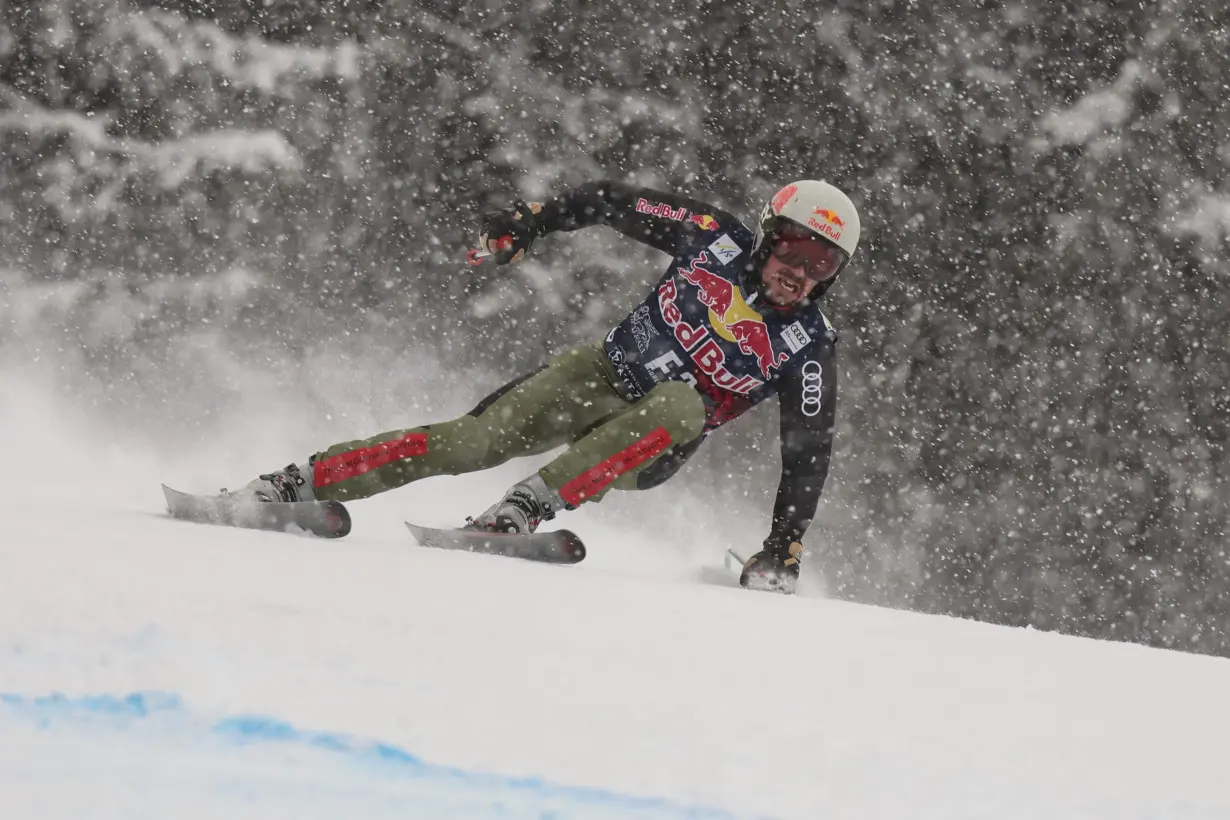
point(812, 391)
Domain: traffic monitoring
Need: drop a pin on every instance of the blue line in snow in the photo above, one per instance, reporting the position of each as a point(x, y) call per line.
point(56, 710)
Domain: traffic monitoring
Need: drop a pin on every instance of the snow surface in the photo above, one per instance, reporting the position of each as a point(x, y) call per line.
point(154, 668)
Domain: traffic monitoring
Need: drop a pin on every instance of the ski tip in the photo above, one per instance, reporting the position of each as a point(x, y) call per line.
point(573, 547)
point(172, 494)
point(336, 520)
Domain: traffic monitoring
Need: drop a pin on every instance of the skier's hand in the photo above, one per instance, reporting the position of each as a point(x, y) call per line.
point(774, 568)
point(508, 234)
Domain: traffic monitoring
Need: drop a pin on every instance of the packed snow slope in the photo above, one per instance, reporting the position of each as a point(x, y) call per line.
point(154, 668)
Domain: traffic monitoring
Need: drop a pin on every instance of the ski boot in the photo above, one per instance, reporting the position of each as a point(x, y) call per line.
point(773, 570)
point(287, 484)
point(526, 505)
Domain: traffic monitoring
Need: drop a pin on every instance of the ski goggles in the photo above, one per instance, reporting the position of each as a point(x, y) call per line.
point(800, 248)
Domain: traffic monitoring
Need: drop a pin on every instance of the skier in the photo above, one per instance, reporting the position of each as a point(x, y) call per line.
point(735, 319)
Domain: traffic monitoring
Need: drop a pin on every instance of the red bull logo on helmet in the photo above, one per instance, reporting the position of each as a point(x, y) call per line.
point(731, 317)
point(830, 227)
point(829, 216)
point(705, 221)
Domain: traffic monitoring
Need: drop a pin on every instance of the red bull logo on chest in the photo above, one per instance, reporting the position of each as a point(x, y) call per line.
point(730, 317)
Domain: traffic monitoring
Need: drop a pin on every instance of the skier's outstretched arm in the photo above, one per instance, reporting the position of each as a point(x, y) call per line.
point(656, 218)
point(808, 405)
point(659, 222)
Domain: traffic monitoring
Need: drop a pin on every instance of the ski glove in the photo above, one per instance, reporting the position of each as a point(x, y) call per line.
point(773, 570)
point(508, 234)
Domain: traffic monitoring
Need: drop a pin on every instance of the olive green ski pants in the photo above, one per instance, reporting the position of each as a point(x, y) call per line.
point(575, 400)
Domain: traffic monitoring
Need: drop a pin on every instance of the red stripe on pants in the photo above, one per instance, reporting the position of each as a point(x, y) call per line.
point(356, 462)
point(595, 480)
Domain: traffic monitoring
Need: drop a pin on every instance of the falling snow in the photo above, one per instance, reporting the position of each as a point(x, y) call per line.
point(240, 228)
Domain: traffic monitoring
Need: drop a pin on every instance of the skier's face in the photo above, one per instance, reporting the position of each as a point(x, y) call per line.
point(798, 263)
point(784, 285)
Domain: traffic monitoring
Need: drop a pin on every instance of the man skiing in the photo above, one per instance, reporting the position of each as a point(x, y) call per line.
point(735, 319)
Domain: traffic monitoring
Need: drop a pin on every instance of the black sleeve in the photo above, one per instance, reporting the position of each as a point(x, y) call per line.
point(654, 217)
point(808, 408)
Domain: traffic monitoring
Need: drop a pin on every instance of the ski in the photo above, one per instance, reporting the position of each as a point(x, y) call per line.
point(325, 519)
point(557, 547)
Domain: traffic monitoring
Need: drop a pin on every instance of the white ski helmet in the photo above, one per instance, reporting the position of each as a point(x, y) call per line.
point(818, 207)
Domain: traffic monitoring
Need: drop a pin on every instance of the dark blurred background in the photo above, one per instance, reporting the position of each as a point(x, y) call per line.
point(1035, 383)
